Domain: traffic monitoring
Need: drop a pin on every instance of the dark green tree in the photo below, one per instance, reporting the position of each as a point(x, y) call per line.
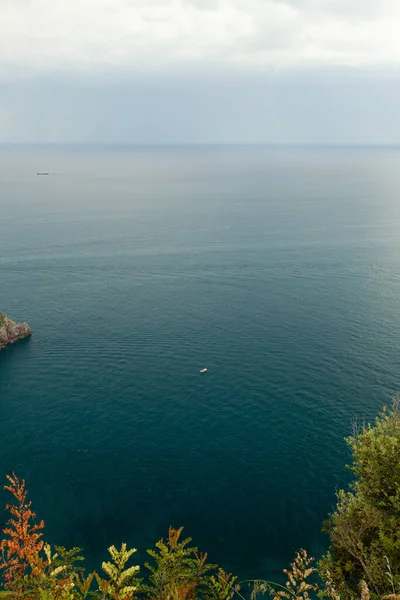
point(365, 528)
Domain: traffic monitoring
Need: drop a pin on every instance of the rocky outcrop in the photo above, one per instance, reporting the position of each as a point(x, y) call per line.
point(11, 332)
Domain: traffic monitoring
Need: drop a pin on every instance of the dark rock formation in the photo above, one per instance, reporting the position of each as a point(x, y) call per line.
point(11, 332)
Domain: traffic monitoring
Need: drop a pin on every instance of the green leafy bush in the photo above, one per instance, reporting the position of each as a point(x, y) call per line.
point(365, 528)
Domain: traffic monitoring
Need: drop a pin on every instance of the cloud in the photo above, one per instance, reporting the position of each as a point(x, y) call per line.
point(357, 11)
point(146, 35)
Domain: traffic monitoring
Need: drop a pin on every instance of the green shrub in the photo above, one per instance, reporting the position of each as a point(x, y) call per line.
point(364, 530)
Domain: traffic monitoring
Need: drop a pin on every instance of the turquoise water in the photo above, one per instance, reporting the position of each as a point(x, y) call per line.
point(277, 269)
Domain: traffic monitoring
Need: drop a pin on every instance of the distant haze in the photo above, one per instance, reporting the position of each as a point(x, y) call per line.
point(200, 71)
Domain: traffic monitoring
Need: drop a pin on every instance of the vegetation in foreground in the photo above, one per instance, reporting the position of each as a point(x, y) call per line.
point(363, 560)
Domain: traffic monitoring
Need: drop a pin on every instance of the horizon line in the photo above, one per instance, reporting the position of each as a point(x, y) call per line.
point(207, 144)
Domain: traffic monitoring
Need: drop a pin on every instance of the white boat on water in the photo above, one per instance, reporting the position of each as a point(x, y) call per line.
point(203, 370)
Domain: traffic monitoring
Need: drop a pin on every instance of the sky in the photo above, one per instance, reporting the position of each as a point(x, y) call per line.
point(200, 71)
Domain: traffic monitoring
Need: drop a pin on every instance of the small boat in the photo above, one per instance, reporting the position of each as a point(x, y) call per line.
point(203, 370)
point(43, 173)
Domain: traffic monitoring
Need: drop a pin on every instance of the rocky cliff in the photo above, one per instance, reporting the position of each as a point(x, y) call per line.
point(11, 332)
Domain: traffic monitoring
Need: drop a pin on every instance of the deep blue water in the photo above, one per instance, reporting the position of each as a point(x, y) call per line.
point(277, 269)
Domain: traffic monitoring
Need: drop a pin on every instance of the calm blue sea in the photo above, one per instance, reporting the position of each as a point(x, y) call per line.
point(277, 269)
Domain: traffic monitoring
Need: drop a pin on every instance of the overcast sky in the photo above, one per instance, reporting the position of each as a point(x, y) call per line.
point(201, 71)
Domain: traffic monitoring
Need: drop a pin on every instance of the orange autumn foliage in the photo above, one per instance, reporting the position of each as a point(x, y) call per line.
point(20, 550)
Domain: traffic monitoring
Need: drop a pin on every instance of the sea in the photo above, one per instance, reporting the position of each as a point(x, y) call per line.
point(275, 268)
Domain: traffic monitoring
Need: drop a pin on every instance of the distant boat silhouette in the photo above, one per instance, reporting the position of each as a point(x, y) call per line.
point(42, 173)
